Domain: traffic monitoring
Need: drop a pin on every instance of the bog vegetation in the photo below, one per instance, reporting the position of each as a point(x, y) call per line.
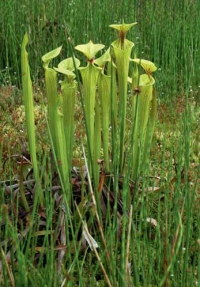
point(99, 172)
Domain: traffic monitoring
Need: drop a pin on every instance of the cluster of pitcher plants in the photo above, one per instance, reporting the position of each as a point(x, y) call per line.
point(109, 86)
point(119, 107)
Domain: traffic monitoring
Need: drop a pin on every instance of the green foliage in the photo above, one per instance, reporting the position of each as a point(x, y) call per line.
point(101, 109)
point(141, 230)
point(101, 78)
point(98, 97)
point(175, 53)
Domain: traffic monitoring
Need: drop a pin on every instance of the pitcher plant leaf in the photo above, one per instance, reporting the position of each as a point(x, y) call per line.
point(90, 49)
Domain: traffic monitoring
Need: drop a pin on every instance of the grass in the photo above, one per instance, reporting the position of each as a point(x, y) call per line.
point(165, 218)
point(168, 34)
point(152, 240)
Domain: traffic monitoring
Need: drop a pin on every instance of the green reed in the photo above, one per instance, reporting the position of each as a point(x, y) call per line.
point(168, 34)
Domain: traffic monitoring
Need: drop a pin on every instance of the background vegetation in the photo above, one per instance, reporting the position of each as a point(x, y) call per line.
point(167, 33)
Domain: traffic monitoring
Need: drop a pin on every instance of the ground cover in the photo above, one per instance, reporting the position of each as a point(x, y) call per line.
point(167, 169)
